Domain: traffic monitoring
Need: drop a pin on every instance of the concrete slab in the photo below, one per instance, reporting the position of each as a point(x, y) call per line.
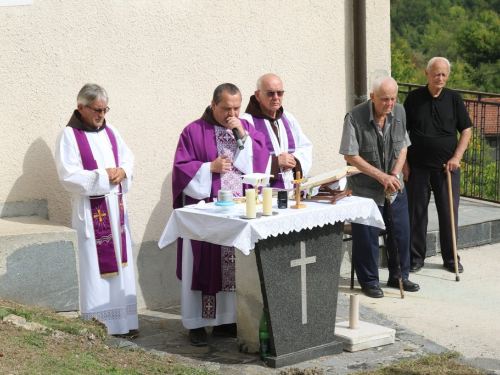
point(36, 207)
point(478, 223)
point(367, 336)
point(38, 263)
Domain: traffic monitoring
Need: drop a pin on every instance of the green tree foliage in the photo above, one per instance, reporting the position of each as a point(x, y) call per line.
point(476, 181)
point(478, 39)
point(437, 39)
point(460, 77)
point(403, 68)
point(466, 32)
point(409, 18)
point(487, 77)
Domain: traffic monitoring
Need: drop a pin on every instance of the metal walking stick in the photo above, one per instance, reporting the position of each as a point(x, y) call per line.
point(450, 199)
point(396, 253)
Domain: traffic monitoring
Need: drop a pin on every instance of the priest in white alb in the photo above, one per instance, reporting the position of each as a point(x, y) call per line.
point(291, 150)
point(95, 165)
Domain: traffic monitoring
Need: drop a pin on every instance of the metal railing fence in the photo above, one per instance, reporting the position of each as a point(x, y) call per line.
point(481, 162)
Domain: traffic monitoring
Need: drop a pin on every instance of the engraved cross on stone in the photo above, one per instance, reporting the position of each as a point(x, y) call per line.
point(302, 262)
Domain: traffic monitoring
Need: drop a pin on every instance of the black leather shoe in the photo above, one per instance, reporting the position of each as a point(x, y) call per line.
point(225, 330)
point(198, 337)
point(408, 286)
point(451, 267)
point(415, 267)
point(373, 291)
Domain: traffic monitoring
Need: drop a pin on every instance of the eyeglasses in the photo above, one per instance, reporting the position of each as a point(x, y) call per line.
point(272, 93)
point(99, 110)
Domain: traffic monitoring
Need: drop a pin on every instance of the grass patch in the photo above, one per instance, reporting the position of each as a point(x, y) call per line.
point(33, 339)
point(82, 351)
point(431, 364)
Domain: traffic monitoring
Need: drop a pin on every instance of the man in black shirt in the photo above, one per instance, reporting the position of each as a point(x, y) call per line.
point(434, 115)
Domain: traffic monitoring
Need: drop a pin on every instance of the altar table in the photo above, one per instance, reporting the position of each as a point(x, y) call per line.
point(293, 274)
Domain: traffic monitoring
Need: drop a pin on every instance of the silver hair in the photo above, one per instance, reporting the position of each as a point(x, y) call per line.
point(378, 82)
point(434, 59)
point(91, 92)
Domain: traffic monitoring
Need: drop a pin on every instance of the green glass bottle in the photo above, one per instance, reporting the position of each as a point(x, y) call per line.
point(264, 342)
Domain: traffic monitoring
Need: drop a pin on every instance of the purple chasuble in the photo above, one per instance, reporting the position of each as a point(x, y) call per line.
point(200, 143)
point(260, 125)
point(108, 264)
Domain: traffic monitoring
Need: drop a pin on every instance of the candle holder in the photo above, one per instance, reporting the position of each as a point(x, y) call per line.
point(256, 180)
point(258, 183)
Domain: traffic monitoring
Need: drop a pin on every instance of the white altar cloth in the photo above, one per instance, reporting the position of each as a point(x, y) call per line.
point(223, 225)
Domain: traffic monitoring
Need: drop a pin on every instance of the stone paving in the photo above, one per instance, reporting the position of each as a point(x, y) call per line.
point(162, 333)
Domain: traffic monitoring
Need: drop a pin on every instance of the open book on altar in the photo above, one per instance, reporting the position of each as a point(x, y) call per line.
point(329, 178)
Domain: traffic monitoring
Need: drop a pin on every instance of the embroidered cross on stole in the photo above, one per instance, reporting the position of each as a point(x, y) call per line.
point(108, 264)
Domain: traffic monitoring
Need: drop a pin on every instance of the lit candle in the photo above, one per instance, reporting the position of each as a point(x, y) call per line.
point(267, 194)
point(250, 200)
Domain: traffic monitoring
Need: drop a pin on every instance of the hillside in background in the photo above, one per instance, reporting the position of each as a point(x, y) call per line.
point(466, 32)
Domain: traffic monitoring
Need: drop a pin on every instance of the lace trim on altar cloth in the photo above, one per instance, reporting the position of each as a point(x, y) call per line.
point(112, 314)
point(345, 210)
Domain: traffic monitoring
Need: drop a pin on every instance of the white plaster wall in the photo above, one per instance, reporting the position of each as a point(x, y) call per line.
point(378, 39)
point(160, 61)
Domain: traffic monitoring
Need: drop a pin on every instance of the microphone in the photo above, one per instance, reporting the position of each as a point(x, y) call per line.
point(238, 139)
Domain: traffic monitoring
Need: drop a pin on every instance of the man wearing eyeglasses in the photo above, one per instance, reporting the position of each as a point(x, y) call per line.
point(291, 150)
point(208, 159)
point(95, 165)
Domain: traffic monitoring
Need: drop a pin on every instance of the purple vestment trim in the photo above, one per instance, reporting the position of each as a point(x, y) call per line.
point(228, 266)
point(209, 303)
point(106, 255)
point(226, 145)
point(123, 233)
point(260, 125)
point(291, 141)
point(197, 145)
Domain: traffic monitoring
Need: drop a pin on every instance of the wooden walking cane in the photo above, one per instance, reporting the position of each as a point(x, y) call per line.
point(396, 252)
point(450, 199)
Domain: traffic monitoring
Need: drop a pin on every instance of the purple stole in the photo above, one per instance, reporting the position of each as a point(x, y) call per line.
point(229, 180)
point(260, 125)
point(108, 264)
